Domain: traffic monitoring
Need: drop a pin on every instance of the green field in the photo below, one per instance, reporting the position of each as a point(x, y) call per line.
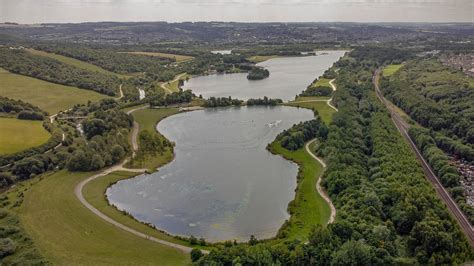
point(67, 233)
point(174, 85)
point(391, 69)
point(321, 82)
point(261, 58)
point(308, 207)
point(48, 96)
point(17, 135)
point(147, 120)
point(324, 110)
point(75, 62)
point(178, 58)
point(94, 193)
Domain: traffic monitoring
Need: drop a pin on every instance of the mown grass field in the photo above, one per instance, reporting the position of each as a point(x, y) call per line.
point(308, 208)
point(261, 58)
point(324, 110)
point(94, 193)
point(391, 69)
point(48, 96)
point(147, 120)
point(17, 135)
point(75, 62)
point(178, 58)
point(67, 233)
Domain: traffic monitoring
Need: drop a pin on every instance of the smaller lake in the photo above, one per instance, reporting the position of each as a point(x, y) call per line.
point(288, 77)
point(223, 184)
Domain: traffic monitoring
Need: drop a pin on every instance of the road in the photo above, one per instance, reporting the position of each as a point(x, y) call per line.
point(402, 127)
point(320, 189)
point(120, 167)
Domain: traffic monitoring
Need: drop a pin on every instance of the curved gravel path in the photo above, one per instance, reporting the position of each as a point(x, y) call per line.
point(320, 189)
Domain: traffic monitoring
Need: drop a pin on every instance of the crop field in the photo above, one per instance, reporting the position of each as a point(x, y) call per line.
point(391, 69)
point(17, 135)
point(65, 232)
point(178, 58)
point(48, 96)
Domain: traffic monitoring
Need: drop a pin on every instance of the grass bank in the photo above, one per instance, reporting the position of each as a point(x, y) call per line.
point(313, 103)
point(17, 135)
point(308, 208)
point(48, 96)
point(65, 232)
point(147, 120)
point(391, 69)
point(261, 58)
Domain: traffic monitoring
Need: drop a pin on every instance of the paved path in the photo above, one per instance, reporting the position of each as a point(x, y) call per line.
point(329, 102)
point(403, 127)
point(135, 130)
point(121, 93)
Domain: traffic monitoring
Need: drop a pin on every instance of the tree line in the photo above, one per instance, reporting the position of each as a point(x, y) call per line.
point(21, 109)
point(44, 68)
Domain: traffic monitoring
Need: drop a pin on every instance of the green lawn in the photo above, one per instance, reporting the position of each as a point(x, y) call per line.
point(321, 82)
point(178, 58)
point(174, 86)
point(94, 193)
point(67, 233)
point(147, 120)
point(261, 58)
point(308, 208)
point(17, 135)
point(391, 69)
point(324, 110)
point(48, 96)
point(75, 62)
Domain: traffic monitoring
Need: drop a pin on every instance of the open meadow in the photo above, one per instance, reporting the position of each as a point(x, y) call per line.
point(17, 135)
point(48, 96)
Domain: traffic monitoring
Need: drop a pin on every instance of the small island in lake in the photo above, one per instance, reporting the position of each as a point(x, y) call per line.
point(258, 73)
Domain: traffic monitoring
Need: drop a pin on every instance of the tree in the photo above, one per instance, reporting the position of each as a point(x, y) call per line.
point(196, 254)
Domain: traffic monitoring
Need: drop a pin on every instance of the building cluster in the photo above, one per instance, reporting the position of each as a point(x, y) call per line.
point(466, 171)
point(463, 62)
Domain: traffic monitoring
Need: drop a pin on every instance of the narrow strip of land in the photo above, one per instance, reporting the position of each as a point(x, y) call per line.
point(402, 127)
point(166, 89)
point(320, 189)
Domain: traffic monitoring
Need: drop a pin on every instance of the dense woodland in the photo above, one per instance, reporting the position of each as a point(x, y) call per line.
point(258, 73)
point(387, 212)
point(21, 109)
point(222, 101)
point(295, 137)
point(435, 96)
point(439, 161)
point(21, 62)
point(264, 101)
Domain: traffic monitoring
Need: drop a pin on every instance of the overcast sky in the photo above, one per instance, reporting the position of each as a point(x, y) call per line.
point(38, 11)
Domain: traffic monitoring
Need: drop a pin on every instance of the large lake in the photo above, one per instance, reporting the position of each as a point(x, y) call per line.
point(223, 183)
point(288, 77)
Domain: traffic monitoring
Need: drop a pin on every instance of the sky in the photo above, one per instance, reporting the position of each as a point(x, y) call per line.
point(43, 11)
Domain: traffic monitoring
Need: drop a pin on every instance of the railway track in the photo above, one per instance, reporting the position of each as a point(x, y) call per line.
point(403, 127)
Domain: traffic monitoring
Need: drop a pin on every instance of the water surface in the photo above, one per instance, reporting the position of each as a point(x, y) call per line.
point(288, 77)
point(223, 183)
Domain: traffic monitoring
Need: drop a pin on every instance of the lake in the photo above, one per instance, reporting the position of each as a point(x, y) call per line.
point(223, 183)
point(288, 77)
